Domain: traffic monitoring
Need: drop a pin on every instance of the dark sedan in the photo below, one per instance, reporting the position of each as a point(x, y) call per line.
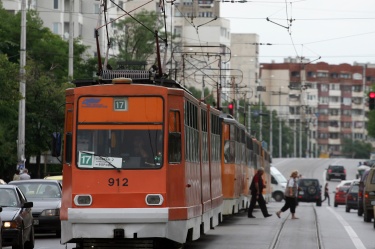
point(352, 196)
point(46, 196)
point(16, 216)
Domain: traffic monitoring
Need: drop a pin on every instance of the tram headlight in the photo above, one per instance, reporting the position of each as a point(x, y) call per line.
point(154, 199)
point(83, 200)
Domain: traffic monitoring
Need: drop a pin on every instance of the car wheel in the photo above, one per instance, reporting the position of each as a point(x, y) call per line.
point(366, 216)
point(278, 196)
point(347, 209)
point(58, 234)
point(359, 211)
point(335, 205)
point(319, 202)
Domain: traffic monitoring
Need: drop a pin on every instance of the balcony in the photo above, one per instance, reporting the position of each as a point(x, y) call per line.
point(334, 105)
point(334, 129)
point(335, 93)
point(357, 94)
point(334, 118)
point(334, 141)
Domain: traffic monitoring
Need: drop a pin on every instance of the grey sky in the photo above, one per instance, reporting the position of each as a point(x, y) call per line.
point(340, 31)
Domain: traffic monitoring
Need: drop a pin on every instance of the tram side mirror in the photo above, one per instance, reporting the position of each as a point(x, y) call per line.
point(56, 144)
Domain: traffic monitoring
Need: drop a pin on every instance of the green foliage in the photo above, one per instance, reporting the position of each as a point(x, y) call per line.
point(137, 43)
point(9, 98)
point(46, 81)
point(209, 98)
point(356, 148)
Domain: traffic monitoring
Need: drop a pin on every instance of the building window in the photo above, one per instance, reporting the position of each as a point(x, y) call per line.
point(56, 4)
point(346, 101)
point(322, 75)
point(323, 100)
point(177, 31)
point(295, 74)
point(345, 76)
point(56, 28)
point(311, 74)
point(324, 88)
point(334, 87)
point(96, 8)
point(357, 89)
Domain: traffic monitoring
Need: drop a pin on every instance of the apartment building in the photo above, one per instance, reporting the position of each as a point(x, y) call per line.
point(201, 55)
point(326, 102)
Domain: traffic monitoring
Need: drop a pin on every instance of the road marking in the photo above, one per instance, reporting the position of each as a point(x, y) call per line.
point(352, 235)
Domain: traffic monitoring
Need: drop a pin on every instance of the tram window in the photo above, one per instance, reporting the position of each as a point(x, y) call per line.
point(119, 147)
point(174, 147)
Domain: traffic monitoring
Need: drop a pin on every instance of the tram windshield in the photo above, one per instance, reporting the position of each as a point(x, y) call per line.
point(119, 149)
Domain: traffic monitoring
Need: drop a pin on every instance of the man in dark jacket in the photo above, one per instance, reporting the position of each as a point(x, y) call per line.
point(256, 189)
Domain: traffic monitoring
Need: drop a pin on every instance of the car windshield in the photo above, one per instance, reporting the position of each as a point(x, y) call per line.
point(8, 198)
point(343, 189)
point(280, 178)
point(307, 183)
point(336, 168)
point(34, 190)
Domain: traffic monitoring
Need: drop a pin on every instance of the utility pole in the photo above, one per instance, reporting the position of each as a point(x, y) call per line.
point(22, 102)
point(71, 34)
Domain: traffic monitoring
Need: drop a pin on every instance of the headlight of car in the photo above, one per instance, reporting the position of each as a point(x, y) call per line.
point(9, 224)
point(51, 212)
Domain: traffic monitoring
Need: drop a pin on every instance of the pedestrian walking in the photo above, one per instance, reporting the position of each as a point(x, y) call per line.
point(256, 189)
point(25, 175)
point(290, 195)
point(326, 194)
point(16, 175)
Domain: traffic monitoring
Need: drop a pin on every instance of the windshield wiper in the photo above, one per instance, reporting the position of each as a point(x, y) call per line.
point(103, 158)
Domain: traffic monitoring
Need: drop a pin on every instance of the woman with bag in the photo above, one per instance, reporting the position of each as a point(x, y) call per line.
point(290, 195)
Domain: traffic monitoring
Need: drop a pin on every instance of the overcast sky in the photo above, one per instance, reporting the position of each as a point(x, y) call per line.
point(338, 31)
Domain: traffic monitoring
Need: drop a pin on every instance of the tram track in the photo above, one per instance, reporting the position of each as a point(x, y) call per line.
point(285, 231)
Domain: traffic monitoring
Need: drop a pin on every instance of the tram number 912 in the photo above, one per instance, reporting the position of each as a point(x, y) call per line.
point(118, 182)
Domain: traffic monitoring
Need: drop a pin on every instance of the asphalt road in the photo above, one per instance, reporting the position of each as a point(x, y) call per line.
point(323, 227)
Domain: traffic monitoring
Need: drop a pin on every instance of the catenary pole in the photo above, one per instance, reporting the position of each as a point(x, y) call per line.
point(21, 108)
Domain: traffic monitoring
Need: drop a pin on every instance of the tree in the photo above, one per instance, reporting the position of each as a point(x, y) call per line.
point(136, 42)
point(356, 148)
point(46, 81)
point(209, 98)
point(9, 98)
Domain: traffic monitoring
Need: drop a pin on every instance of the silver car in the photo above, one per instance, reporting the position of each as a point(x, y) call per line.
point(46, 196)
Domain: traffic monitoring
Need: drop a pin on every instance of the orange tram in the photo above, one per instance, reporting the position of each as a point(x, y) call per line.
point(195, 164)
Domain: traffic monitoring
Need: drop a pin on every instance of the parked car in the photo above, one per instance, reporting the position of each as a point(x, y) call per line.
point(336, 171)
point(340, 196)
point(1, 226)
point(361, 188)
point(369, 196)
point(309, 190)
point(59, 178)
point(352, 196)
point(278, 183)
point(345, 184)
point(16, 216)
point(46, 195)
